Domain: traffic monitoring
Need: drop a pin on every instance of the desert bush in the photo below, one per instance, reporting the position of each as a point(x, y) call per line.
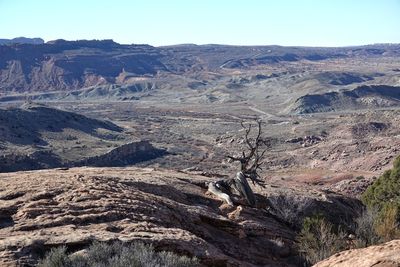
point(116, 254)
point(319, 239)
point(374, 227)
point(365, 229)
point(387, 226)
point(289, 208)
point(384, 195)
point(385, 189)
point(57, 257)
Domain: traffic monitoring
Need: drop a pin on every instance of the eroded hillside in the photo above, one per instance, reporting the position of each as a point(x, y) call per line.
point(37, 137)
point(273, 79)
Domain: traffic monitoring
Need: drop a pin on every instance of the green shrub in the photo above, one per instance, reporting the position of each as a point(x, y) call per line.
point(117, 254)
point(384, 195)
point(318, 239)
point(385, 190)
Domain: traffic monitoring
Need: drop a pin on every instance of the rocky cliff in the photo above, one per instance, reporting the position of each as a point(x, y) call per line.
point(64, 65)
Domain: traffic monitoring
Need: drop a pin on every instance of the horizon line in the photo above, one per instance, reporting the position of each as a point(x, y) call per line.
point(203, 44)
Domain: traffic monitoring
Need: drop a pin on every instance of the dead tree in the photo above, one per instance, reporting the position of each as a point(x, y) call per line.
point(250, 163)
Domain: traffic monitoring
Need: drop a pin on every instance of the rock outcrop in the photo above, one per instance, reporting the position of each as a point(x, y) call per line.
point(362, 97)
point(43, 209)
point(172, 210)
point(123, 155)
point(385, 255)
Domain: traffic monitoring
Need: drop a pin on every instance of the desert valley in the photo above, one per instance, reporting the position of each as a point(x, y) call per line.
point(104, 142)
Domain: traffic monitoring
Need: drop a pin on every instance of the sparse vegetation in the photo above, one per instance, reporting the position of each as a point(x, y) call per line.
point(365, 228)
point(116, 254)
point(374, 227)
point(289, 208)
point(319, 239)
point(378, 223)
point(387, 226)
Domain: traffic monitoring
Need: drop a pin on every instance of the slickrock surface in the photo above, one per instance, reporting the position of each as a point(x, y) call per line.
point(385, 255)
point(47, 208)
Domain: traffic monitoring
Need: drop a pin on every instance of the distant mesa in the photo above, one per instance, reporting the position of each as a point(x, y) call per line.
point(21, 40)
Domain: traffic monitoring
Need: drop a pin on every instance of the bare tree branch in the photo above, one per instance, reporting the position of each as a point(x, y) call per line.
point(251, 161)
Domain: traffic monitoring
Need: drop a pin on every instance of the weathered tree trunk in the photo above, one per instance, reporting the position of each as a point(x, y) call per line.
point(223, 189)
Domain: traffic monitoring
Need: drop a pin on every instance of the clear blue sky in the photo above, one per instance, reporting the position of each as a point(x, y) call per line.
point(241, 22)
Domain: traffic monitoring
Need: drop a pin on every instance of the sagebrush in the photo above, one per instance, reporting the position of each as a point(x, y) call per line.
point(116, 254)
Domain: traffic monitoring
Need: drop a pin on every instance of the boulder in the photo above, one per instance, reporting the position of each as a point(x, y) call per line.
point(385, 255)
